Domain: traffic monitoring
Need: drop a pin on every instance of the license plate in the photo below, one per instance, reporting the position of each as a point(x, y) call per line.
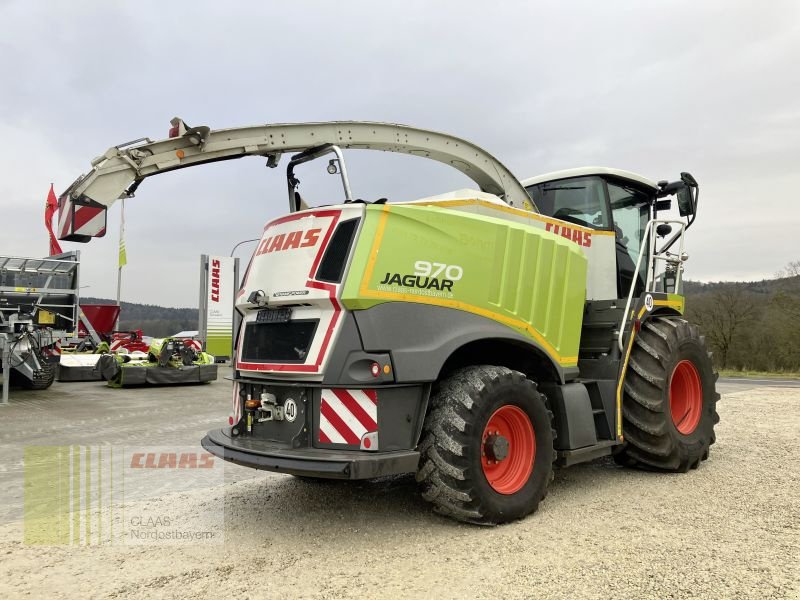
point(274, 315)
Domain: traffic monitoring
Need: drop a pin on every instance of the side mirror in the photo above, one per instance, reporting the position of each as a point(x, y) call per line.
point(686, 201)
point(687, 197)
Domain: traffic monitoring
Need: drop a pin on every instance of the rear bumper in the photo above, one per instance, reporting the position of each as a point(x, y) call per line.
point(310, 462)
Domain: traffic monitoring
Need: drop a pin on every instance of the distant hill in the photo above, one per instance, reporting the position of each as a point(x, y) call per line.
point(789, 285)
point(157, 321)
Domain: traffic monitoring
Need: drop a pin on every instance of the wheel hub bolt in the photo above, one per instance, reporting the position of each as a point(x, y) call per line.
point(495, 447)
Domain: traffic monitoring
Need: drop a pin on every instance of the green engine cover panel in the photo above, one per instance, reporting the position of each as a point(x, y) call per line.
point(526, 278)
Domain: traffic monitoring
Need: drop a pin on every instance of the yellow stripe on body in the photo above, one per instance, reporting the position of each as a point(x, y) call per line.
point(373, 253)
point(510, 210)
point(619, 388)
point(676, 304)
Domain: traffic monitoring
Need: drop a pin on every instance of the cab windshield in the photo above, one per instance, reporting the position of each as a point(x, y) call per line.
point(580, 200)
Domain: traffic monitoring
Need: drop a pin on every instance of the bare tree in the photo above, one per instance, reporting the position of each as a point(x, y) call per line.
point(723, 316)
point(789, 305)
point(792, 269)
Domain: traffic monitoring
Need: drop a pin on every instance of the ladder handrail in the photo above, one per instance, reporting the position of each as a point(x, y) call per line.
point(652, 256)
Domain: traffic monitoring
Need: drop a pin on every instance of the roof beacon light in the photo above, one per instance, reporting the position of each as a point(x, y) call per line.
point(178, 127)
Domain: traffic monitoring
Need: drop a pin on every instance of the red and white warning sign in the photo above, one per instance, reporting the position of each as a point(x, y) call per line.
point(348, 417)
point(80, 219)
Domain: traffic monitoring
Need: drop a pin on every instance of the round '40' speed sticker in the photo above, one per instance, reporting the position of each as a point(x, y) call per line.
point(290, 410)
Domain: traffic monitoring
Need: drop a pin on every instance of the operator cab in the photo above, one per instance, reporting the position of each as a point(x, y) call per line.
point(615, 212)
point(605, 200)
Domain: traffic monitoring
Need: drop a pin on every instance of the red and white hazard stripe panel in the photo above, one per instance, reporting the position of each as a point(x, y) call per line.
point(65, 219)
point(195, 345)
point(349, 417)
point(236, 406)
point(75, 219)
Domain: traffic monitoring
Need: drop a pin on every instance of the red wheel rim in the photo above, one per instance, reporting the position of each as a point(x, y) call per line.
point(685, 397)
point(509, 474)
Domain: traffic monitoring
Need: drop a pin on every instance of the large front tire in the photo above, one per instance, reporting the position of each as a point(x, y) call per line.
point(669, 405)
point(487, 446)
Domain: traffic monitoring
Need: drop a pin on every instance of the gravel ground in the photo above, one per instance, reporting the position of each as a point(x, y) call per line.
point(731, 529)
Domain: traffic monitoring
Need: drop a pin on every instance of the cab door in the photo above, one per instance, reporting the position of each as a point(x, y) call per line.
point(616, 212)
point(630, 212)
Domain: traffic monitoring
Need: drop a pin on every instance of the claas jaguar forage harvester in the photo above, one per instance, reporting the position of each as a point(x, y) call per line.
point(477, 338)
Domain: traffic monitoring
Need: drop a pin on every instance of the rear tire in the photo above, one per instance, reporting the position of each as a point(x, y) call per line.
point(669, 404)
point(487, 446)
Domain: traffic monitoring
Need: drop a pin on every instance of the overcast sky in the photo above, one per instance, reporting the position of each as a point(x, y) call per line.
point(654, 87)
